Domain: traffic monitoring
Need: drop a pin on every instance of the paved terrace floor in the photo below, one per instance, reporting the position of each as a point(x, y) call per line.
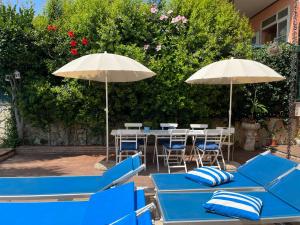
point(58, 165)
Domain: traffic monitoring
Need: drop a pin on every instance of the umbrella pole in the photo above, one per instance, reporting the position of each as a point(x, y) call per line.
point(229, 125)
point(106, 111)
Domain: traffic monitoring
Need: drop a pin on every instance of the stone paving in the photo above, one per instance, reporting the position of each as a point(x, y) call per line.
point(56, 165)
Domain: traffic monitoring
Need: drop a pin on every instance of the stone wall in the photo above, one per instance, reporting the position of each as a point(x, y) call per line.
point(4, 116)
point(59, 135)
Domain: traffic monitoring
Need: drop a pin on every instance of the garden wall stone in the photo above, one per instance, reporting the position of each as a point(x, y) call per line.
point(59, 135)
point(5, 114)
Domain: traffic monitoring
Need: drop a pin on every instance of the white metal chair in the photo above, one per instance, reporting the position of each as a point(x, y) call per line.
point(175, 150)
point(210, 148)
point(142, 140)
point(162, 140)
point(229, 140)
point(167, 126)
point(195, 126)
point(128, 144)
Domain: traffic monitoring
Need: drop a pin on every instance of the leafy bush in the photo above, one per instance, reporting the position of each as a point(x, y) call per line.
point(173, 38)
point(274, 95)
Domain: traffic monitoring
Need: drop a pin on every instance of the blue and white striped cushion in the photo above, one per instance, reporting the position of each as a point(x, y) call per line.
point(234, 205)
point(210, 176)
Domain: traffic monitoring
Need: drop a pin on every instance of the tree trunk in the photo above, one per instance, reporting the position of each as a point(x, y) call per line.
point(18, 117)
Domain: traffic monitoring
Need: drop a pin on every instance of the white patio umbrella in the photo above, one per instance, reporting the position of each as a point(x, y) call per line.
point(234, 71)
point(105, 67)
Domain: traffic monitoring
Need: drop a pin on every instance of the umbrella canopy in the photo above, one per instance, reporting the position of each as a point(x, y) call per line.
point(102, 66)
point(105, 67)
point(234, 71)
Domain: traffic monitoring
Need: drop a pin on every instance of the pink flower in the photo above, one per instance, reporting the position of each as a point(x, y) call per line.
point(178, 19)
point(158, 48)
point(146, 47)
point(163, 17)
point(153, 9)
point(183, 19)
point(170, 12)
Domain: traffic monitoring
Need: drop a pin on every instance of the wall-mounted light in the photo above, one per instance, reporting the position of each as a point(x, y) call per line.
point(17, 74)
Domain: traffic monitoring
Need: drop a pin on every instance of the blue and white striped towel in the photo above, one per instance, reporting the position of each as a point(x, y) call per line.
point(210, 176)
point(234, 205)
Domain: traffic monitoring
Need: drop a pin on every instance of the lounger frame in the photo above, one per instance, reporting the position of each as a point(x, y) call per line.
point(208, 189)
point(227, 221)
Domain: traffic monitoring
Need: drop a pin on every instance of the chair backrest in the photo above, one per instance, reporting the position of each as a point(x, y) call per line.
point(167, 126)
point(122, 171)
point(178, 136)
point(133, 125)
point(195, 126)
point(287, 188)
point(114, 204)
point(265, 168)
point(213, 136)
point(127, 139)
point(232, 129)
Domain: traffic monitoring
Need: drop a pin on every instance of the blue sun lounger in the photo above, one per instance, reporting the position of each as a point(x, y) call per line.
point(68, 187)
point(103, 208)
point(281, 204)
point(254, 175)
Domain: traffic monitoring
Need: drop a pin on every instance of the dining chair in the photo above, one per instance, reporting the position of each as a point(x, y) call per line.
point(175, 149)
point(209, 149)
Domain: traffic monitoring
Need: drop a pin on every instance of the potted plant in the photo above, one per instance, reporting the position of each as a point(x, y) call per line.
point(297, 139)
point(147, 126)
point(251, 125)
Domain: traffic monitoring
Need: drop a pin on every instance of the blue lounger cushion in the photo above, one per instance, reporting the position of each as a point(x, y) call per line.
point(210, 176)
point(100, 209)
point(234, 205)
point(287, 188)
point(183, 207)
point(179, 182)
point(65, 185)
point(265, 168)
point(121, 201)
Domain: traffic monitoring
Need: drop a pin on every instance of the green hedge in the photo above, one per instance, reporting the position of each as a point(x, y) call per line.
point(174, 47)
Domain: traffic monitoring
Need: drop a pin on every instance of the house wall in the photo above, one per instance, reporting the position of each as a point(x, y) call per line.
point(273, 9)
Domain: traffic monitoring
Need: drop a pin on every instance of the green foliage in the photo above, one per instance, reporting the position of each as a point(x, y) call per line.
point(257, 109)
point(173, 48)
point(274, 95)
point(11, 139)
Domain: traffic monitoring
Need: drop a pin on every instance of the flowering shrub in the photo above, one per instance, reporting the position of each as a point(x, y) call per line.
point(173, 39)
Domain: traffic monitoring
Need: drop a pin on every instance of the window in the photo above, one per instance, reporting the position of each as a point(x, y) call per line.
point(255, 39)
point(275, 27)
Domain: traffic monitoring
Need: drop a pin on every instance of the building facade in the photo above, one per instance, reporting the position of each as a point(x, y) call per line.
point(271, 20)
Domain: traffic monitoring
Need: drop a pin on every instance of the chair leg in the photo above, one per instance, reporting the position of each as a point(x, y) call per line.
point(120, 156)
point(184, 163)
point(223, 160)
point(167, 161)
point(201, 155)
point(157, 159)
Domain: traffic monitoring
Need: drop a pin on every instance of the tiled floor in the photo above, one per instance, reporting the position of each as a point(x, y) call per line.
point(55, 165)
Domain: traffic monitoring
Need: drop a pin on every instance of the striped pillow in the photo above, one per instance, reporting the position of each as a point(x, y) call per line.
point(210, 176)
point(234, 205)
